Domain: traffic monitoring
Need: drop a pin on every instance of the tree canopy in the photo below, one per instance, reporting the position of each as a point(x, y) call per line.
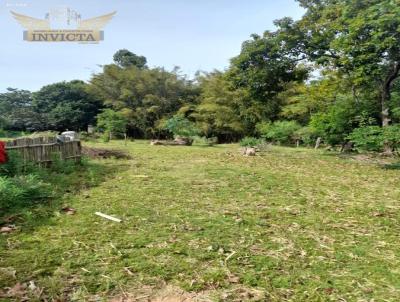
point(333, 71)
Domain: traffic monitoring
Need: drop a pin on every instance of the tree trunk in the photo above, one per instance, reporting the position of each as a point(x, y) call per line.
point(386, 93)
point(385, 99)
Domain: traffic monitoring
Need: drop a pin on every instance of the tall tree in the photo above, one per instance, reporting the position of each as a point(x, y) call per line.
point(263, 69)
point(124, 58)
point(66, 105)
point(16, 111)
point(147, 97)
point(359, 38)
point(218, 113)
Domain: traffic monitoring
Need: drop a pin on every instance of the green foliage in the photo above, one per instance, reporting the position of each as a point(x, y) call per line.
point(24, 183)
point(358, 38)
point(374, 138)
point(66, 105)
point(111, 123)
point(250, 142)
point(11, 134)
point(62, 166)
point(124, 58)
point(17, 112)
point(282, 132)
point(13, 166)
point(146, 97)
point(218, 113)
point(20, 190)
point(367, 138)
point(391, 136)
point(306, 135)
point(263, 68)
point(354, 46)
point(337, 122)
point(181, 127)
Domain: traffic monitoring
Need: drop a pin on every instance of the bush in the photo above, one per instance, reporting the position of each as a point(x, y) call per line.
point(181, 127)
point(375, 138)
point(306, 135)
point(111, 123)
point(391, 136)
point(338, 121)
point(367, 138)
point(281, 132)
point(20, 190)
point(13, 166)
point(250, 142)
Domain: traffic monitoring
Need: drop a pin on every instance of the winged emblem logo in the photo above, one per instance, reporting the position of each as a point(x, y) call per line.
point(40, 30)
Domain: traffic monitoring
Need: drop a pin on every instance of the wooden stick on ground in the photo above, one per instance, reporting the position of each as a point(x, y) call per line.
point(108, 217)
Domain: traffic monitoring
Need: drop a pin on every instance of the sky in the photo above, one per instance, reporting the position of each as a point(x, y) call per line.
point(192, 34)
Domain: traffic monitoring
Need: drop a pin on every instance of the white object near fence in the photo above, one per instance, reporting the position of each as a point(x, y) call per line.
point(72, 135)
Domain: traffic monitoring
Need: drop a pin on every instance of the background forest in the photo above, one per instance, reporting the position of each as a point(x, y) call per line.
point(332, 74)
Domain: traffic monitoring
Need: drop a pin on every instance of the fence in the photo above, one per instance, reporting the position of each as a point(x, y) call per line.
point(45, 149)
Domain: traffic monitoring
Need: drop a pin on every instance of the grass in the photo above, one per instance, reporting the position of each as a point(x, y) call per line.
point(293, 224)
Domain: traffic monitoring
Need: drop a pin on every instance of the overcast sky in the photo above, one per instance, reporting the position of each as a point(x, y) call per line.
point(192, 34)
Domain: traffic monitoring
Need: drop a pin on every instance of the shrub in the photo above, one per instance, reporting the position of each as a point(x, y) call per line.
point(62, 166)
point(306, 135)
point(20, 190)
point(13, 166)
point(367, 138)
point(391, 136)
point(281, 132)
point(374, 138)
point(111, 123)
point(181, 127)
point(250, 142)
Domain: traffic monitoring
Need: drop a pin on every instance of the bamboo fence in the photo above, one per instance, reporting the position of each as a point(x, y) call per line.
point(45, 149)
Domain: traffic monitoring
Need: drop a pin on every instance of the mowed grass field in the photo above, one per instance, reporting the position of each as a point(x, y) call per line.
point(287, 225)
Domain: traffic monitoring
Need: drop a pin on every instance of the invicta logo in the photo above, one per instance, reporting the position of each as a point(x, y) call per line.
point(85, 31)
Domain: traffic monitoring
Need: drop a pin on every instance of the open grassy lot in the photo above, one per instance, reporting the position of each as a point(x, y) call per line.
point(290, 225)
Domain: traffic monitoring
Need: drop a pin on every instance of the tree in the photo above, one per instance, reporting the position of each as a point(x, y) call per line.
point(112, 123)
point(17, 112)
point(66, 105)
point(181, 127)
point(124, 58)
point(146, 97)
point(218, 113)
point(263, 69)
point(359, 38)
